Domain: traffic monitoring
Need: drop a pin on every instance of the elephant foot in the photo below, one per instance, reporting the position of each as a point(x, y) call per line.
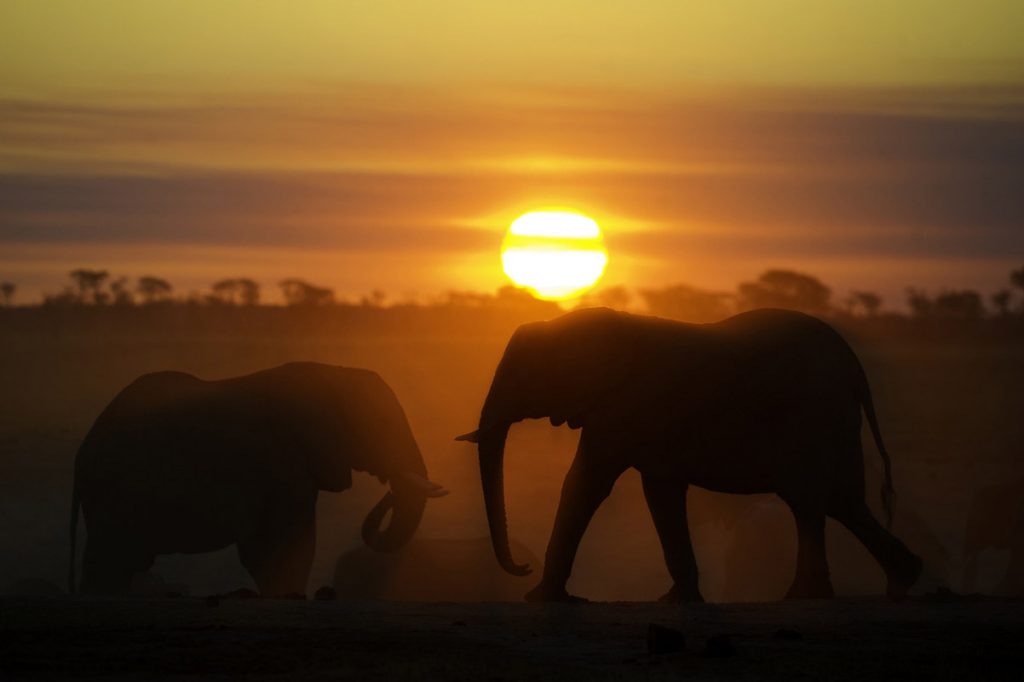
point(543, 593)
point(900, 581)
point(679, 596)
point(811, 590)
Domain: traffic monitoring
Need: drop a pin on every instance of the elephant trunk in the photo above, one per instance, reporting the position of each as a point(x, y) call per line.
point(406, 513)
point(492, 455)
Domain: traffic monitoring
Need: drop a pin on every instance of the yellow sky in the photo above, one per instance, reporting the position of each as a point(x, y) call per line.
point(648, 43)
point(387, 145)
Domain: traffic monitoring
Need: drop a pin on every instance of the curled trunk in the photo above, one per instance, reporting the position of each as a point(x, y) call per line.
point(406, 513)
point(492, 477)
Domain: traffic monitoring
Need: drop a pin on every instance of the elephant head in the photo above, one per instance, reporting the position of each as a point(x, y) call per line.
point(560, 370)
point(351, 419)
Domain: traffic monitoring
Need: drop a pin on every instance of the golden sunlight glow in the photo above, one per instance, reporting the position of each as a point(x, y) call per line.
point(556, 254)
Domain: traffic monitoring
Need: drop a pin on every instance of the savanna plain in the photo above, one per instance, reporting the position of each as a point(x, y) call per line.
point(949, 406)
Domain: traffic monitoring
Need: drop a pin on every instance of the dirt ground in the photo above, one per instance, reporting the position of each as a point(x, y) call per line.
point(842, 639)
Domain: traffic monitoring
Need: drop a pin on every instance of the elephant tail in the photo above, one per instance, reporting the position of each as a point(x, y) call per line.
point(888, 492)
point(74, 533)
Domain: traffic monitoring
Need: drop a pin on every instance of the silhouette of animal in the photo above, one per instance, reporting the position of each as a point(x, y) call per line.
point(760, 542)
point(175, 464)
point(427, 569)
point(996, 521)
point(768, 401)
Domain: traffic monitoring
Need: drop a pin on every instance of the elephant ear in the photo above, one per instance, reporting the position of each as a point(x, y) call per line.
point(591, 353)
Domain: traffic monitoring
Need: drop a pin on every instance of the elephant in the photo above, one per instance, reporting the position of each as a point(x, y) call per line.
point(175, 464)
point(428, 570)
point(767, 401)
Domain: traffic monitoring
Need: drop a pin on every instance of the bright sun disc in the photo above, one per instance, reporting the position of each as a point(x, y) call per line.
point(557, 255)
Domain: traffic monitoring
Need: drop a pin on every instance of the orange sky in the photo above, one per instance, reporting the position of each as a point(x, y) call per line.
point(206, 157)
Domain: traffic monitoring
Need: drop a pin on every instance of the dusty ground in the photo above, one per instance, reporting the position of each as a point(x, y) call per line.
point(924, 638)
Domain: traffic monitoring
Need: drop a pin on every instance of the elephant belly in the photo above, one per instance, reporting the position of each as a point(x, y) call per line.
point(188, 498)
point(192, 525)
point(755, 449)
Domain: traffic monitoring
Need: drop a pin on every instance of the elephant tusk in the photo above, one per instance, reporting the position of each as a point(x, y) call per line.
point(423, 484)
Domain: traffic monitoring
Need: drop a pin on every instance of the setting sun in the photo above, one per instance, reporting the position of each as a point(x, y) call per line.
point(556, 254)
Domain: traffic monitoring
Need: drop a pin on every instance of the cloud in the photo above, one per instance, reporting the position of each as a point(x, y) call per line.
point(876, 172)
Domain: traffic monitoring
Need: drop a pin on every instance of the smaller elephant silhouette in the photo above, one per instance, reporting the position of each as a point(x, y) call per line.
point(996, 521)
point(427, 569)
point(175, 464)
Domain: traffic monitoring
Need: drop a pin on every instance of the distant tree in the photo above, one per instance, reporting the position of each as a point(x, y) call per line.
point(300, 293)
point(248, 291)
point(240, 291)
point(120, 292)
point(153, 289)
point(7, 289)
point(1017, 280)
point(869, 301)
point(921, 305)
point(224, 291)
point(688, 303)
point(617, 297)
point(521, 301)
point(959, 305)
point(1001, 301)
point(67, 297)
point(466, 299)
point(785, 289)
point(89, 283)
point(375, 299)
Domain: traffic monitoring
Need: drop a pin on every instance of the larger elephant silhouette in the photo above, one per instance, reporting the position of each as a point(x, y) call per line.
point(176, 464)
point(768, 401)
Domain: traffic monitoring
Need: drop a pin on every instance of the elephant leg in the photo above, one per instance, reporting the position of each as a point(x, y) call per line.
point(902, 567)
point(812, 577)
point(667, 503)
point(586, 486)
point(280, 556)
point(110, 563)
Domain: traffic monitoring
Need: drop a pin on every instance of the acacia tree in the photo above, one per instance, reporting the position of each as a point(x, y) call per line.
point(1017, 280)
point(298, 292)
point(869, 301)
point(786, 289)
point(153, 289)
point(239, 291)
point(120, 291)
point(920, 303)
point(683, 302)
point(248, 291)
point(224, 291)
point(1001, 301)
point(7, 289)
point(375, 299)
point(959, 305)
point(89, 283)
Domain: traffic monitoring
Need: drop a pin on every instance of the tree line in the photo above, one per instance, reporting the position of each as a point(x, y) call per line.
point(776, 288)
